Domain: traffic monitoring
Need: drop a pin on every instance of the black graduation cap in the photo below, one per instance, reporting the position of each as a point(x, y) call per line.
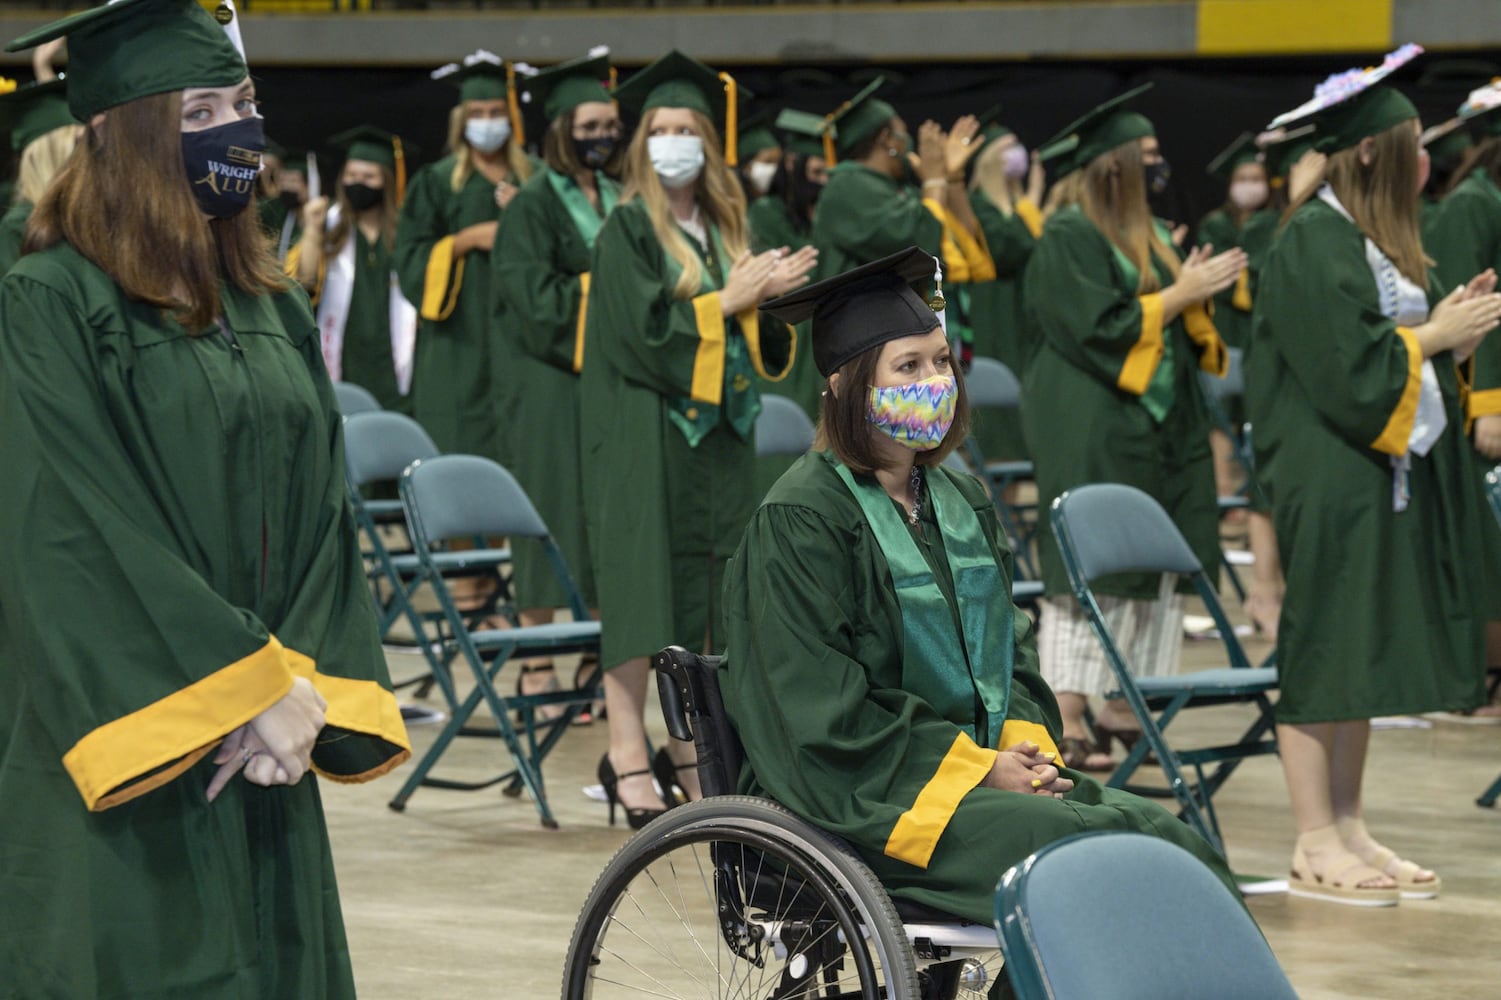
point(862, 308)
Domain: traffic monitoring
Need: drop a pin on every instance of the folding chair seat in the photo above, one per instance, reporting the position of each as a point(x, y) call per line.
point(456, 497)
point(354, 399)
point(782, 428)
point(1105, 529)
point(1130, 917)
point(991, 385)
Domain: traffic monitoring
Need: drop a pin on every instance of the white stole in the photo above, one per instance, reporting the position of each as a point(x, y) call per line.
point(333, 313)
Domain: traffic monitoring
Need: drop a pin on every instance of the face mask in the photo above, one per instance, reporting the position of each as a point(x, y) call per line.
point(1015, 161)
point(1158, 174)
point(222, 164)
point(677, 159)
point(805, 192)
point(916, 415)
point(760, 175)
point(363, 196)
point(1248, 195)
point(596, 152)
point(487, 134)
point(291, 199)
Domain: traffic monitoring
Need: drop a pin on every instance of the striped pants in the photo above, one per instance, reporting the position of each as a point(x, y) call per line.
point(1148, 633)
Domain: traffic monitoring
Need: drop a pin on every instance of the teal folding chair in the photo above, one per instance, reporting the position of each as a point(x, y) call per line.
point(991, 385)
point(353, 399)
point(458, 497)
point(1024, 592)
point(1493, 494)
point(782, 428)
point(1104, 529)
point(1129, 917)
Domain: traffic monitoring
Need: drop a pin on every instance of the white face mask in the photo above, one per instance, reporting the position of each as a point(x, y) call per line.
point(677, 159)
point(1246, 195)
point(761, 174)
point(487, 134)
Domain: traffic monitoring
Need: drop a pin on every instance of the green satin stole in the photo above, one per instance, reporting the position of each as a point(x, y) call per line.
point(1158, 398)
point(950, 671)
point(586, 218)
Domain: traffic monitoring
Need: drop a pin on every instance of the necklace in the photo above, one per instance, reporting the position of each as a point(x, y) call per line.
point(916, 484)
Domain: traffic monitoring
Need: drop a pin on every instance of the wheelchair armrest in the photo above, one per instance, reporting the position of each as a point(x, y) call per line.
point(688, 685)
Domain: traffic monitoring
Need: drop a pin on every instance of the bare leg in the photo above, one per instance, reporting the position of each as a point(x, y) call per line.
point(1071, 706)
point(1264, 602)
point(1311, 757)
point(625, 696)
point(1347, 768)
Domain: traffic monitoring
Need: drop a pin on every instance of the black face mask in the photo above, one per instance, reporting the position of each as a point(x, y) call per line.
point(291, 199)
point(363, 196)
point(222, 164)
point(596, 152)
point(805, 192)
point(1157, 174)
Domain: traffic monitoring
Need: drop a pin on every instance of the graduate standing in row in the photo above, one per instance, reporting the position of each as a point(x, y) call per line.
point(1113, 396)
point(1374, 490)
point(43, 133)
point(175, 469)
point(540, 284)
point(281, 192)
point(367, 327)
point(442, 252)
point(673, 345)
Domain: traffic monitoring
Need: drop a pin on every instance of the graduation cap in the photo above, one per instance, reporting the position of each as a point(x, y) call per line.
point(862, 308)
point(376, 145)
point(680, 81)
point(991, 128)
point(565, 86)
point(756, 135)
point(856, 120)
point(484, 76)
point(1240, 152)
point(1347, 107)
point(1284, 148)
point(30, 112)
point(802, 131)
point(136, 48)
point(1447, 141)
point(1481, 106)
point(1097, 132)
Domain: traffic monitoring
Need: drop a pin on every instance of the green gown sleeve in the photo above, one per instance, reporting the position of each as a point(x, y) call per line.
point(537, 296)
point(12, 231)
point(1318, 308)
point(771, 227)
point(429, 272)
point(1464, 238)
point(1008, 237)
point(866, 217)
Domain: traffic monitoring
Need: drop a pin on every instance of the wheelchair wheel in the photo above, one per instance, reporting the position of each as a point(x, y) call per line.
point(735, 897)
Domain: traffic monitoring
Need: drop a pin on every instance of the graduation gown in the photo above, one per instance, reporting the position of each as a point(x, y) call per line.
point(453, 378)
point(1464, 238)
point(177, 548)
point(771, 226)
point(541, 276)
point(1105, 357)
point(814, 682)
point(12, 232)
point(1232, 307)
point(664, 515)
point(1384, 612)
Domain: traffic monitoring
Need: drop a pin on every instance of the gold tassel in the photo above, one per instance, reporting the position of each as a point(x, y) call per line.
point(731, 122)
point(513, 104)
point(401, 168)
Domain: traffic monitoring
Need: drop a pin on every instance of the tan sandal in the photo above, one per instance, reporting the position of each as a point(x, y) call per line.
point(1358, 840)
point(1344, 871)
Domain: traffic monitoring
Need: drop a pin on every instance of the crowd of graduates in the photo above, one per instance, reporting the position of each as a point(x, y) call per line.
point(576, 288)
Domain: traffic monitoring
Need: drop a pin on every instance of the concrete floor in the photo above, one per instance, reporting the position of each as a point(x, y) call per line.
point(465, 896)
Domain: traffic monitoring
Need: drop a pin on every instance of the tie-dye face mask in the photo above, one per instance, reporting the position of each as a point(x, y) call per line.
point(916, 415)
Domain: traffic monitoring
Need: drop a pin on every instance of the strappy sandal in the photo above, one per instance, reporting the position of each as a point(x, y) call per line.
point(1076, 751)
point(1358, 840)
point(1126, 737)
point(1344, 871)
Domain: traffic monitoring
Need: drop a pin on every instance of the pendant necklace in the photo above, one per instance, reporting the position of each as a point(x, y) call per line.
point(916, 484)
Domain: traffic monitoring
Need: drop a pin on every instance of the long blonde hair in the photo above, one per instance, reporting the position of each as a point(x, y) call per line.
point(1063, 193)
point(1113, 195)
point(1382, 197)
point(516, 158)
point(42, 159)
point(717, 192)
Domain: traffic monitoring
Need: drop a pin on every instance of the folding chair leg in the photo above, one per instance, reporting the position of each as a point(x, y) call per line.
point(1235, 582)
point(1488, 799)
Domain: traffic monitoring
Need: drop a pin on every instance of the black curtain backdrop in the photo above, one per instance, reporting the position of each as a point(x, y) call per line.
point(1198, 106)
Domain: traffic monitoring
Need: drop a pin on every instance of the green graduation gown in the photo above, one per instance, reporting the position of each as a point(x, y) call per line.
point(771, 226)
point(1105, 357)
point(12, 231)
point(177, 548)
point(1464, 238)
point(540, 281)
point(1384, 612)
point(663, 516)
point(273, 214)
point(453, 378)
point(1232, 307)
point(813, 680)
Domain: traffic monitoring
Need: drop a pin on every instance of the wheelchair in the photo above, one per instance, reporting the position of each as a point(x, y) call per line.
point(734, 896)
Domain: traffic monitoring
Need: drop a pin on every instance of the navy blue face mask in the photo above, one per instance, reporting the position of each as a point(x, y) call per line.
point(596, 151)
point(223, 163)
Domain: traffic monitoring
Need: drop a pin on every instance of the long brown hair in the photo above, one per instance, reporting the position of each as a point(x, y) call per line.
point(1113, 195)
point(123, 201)
point(333, 239)
point(1382, 197)
point(717, 191)
point(516, 159)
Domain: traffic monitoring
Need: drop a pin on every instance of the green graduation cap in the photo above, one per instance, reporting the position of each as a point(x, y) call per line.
point(991, 128)
point(1350, 106)
point(680, 81)
point(1285, 149)
point(565, 86)
point(1447, 141)
point(1096, 133)
point(30, 112)
point(1481, 107)
point(1240, 152)
point(802, 131)
point(481, 76)
point(756, 135)
point(857, 119)
point(136, 48)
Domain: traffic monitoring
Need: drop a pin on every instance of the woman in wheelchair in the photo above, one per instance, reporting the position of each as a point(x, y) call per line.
point(883, 684)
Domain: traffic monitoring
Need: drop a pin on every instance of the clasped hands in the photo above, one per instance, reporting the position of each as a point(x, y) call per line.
point(1025, 768)
point(275, 747)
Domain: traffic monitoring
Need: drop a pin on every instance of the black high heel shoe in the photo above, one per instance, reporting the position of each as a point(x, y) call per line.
point(637, 818)
point(666, 773)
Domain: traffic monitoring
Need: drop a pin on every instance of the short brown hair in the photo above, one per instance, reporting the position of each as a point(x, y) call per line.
point(123, 201)
point(557, 148)
point(844, 425)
